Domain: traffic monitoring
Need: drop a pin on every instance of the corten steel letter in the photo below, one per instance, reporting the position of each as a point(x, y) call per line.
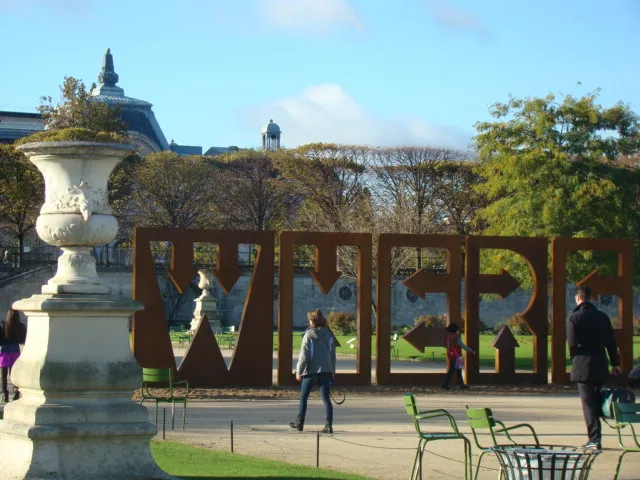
point(325, 276)
point(620, 285)
point(534, 251)
point(420, 283)
point(203, 364)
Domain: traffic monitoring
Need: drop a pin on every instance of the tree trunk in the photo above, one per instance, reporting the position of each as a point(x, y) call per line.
point(20, 249)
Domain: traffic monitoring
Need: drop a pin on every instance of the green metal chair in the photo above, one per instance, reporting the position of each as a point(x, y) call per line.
point(482, 419)
point(227, 336)
point(626, 415)
point(419, 418)
point(163, 378)
point(180, 334)
point(394, 347)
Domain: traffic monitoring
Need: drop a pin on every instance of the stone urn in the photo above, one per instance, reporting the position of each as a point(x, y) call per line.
point(75, 419)
point(206, 303)
point(76, 214)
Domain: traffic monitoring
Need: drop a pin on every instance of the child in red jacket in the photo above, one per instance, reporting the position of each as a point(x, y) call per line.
point(455, 345)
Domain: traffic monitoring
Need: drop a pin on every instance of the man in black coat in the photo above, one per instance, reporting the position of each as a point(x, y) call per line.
point(590, 337)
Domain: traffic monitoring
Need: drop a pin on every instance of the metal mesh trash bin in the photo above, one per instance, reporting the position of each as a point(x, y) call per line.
point(545, 462)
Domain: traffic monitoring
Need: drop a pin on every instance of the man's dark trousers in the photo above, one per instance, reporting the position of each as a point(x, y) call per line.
point(590, 397)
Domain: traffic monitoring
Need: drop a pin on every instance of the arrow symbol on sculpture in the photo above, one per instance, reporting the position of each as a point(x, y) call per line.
point(502, 283)
point(600, 284)
point(506, 345)
point(326, 274)
point(422, 336)
point(181, 270)
point(422, 283)
point(228, 271)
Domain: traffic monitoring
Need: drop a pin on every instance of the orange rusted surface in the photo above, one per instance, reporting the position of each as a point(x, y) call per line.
point(252, 357)
point(620, 285)
point(420, 283)
point(505, 345)
point(325, 275)
point(534, 252)
point(251, 365)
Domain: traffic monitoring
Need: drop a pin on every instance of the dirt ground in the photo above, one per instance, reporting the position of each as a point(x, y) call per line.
point(291, 393)
point(374, 435)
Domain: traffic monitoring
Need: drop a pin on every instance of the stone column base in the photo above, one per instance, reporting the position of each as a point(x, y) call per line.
point(75, 419)
point(78, 452)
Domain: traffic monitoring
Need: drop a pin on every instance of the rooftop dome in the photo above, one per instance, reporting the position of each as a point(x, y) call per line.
point(137, 114)
point(107, 91)
point(271, 128)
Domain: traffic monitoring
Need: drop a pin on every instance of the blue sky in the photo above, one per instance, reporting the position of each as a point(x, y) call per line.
point(375, 72)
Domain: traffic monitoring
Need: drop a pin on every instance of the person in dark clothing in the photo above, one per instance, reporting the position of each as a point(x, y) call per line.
point(634, 376)
point(590, 337)
point(316, 364)
point(13, 334)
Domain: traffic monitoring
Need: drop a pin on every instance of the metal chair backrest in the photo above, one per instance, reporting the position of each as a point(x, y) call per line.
point(480, 419)
point(412, 409)
point(625, 416)
point(627, 412)
point(157, 375)
point(410, 404)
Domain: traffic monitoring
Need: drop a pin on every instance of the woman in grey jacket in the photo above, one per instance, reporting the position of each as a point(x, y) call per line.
point(316, 364)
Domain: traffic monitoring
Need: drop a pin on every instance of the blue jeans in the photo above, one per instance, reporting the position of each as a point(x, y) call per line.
point(324, 381)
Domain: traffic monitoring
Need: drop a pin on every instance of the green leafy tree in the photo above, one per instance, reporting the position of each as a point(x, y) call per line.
point(21, 194)
point(77, 110)
point(457, 198)
point(406, 178)
point(421, 190)
point(121, 199)
point(550, 169)
point(329, 178)
point(174, 191)
point(251, 193)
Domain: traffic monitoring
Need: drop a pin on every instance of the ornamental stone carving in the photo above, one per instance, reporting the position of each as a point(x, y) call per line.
point(206, 303)
point(76, 214)
point(71, 229)
point(82, 198)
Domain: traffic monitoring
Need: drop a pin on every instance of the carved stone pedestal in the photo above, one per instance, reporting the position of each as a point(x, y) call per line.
point(76, 374)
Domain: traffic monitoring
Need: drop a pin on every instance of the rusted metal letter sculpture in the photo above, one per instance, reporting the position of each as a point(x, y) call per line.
point(251, 365)
point(325, 276)
point(203, 364)
point(420, 283)
point(534, 251)
point(620, 285)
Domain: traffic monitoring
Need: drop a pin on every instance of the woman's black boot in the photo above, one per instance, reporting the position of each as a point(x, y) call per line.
point(328, 428)
point(298, 424)
point(5, 396)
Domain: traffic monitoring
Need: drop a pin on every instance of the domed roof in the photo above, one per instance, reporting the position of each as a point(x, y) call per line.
point(271, 128)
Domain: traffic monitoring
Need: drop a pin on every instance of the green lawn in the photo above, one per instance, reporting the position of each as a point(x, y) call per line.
point(195, 463)
point(524, 353)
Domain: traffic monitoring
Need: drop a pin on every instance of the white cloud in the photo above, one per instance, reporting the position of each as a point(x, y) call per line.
point(312, 16)
point(326, 113)
point(455, 18)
